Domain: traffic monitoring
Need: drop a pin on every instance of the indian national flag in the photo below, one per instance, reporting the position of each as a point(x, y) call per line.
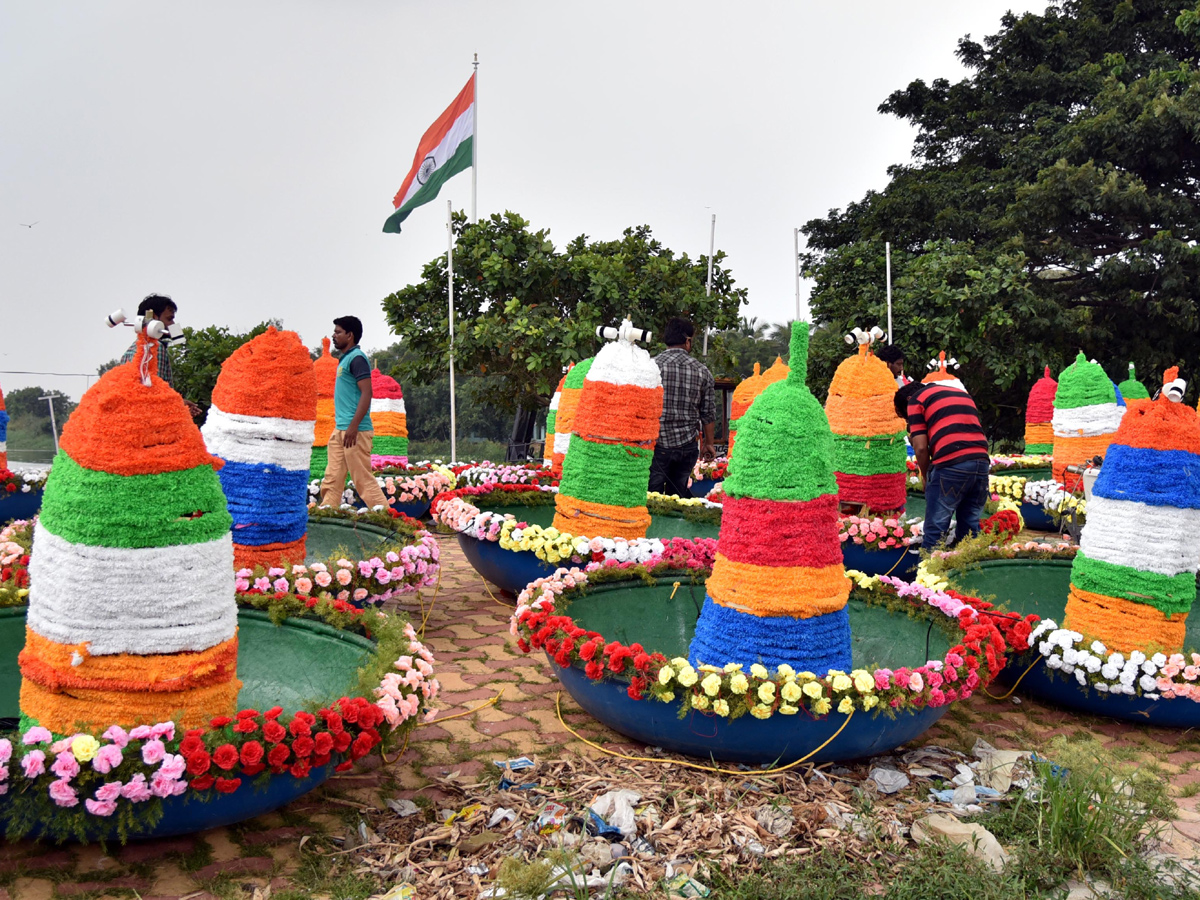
point(444, 151)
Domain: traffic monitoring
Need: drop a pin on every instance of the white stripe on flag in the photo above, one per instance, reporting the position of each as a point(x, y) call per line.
point(459, 132)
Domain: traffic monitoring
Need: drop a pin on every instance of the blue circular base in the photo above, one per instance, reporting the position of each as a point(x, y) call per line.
point(1036, 518)
point(899, 562)
point(415, 509)
point(779, 739)
point(702, 487)
point(19, 505)
point(509, 570)
point(1060, 689)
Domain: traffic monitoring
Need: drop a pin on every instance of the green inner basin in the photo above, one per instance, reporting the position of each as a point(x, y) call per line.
point(632, 612)
point(327, 538)
point(301, 664)
point(660, 526)
point(1034, 586)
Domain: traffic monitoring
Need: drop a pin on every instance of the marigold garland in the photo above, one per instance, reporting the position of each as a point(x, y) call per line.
point(1134, 579)
point(615, 426)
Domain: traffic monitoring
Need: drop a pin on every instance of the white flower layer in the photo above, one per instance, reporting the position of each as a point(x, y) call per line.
point(286, 443)
point(388, 405)
point(621, 362)
point(143, 601)
point(1159, 539)
point(1087, 421)
point(562, 441)
point(3, 446)
point(555, 400)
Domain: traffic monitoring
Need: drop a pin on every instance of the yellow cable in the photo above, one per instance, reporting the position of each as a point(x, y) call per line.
point(425, 614)
point(466, 712)
point(690, 765)
point(507, 606)
point(1015, 683)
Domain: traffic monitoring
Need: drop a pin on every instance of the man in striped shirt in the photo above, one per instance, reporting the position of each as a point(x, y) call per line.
point(952, 454)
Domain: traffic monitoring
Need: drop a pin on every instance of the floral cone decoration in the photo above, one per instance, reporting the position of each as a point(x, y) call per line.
point(607, 467)
point(3, 433)
point(388, 416)
point(325, 368)
point(939, 373)
point(1039, 411)
point(564, 422)
point(264, 407)
point(551, 419)
point(1133, 391)
point(1134, 578)
point(743, 396)
point(870, 457)
point(778, 589)
point(131, 616)
point(1086, 417)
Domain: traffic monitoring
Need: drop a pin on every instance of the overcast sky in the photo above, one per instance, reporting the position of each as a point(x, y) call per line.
point(242, 156)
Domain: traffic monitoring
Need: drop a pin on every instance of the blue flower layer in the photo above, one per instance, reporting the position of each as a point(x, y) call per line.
point(269, 504)
point(1154, 477)
point(3, 425)
point(815, 645)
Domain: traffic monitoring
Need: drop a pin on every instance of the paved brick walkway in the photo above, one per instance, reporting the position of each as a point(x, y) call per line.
point(467, 628)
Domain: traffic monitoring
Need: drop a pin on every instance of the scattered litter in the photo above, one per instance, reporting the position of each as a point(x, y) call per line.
point(514, 765)
point(889, 781)
point(404, 891)
point(501, 814)
point(616, 808)
point(506, 784)
point(477, 870)
point(750, 845)
point(978, 792)
point(996, 766)
point(1056, 770)
point(965, 776)
point(597, 827)
point(1016, 701)
point(972, 838)
point(552, 817)
point(778, 822)
point(641, 847)
point(684, 885)
point(403, 808)
point(463, 814)
point(963, 795)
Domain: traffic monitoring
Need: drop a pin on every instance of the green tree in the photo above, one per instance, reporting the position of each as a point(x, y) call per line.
point(524, 310)
point(733, 352)
point(23, 404)
point(1058, 178)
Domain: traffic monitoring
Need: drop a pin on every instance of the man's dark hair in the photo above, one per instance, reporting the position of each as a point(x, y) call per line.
point(678, 331)
point(350, 324)
point(902, 397)
point(157, 304)
point(890, 354)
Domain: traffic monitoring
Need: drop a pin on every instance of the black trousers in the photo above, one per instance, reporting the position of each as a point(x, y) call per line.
point(672, 467)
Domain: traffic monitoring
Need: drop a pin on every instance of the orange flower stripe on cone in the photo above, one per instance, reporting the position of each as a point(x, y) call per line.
point(52, 665)
point(325, 423)
point(865, 415)
point(798, 591)
point(1072, 452)
point(628, 415)
point(568, 405)
point(268, 555)
point(154, 436)
point(778, 372)
point(70, 710)
point(1124, 625)
point(275, 357)
point(743, 396)
point(1039, 433)
point(582, 517)
point(390, 424)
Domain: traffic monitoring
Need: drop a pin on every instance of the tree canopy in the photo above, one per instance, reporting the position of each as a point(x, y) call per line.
point(1051, 205)
point(524, 310)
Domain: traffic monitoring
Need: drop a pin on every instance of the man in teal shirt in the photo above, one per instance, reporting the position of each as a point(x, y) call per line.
point(350, 443)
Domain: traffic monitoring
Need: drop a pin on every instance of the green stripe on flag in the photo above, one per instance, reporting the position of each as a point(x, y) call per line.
point(451, 167)
point(100, 509)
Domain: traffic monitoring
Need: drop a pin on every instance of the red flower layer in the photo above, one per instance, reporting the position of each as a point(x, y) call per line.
point(877, 492)
point(1041, 399)
point(781, 532)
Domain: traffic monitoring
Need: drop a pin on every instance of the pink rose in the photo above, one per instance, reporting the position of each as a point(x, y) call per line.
point(141, 733)
point(275, 572)
point(323, 579)
point(109, 791)
point(262, 584)
point(241, 584)
point(383, 576)
point(36, 735)
point(65, 765)
point(34, 763)
point(63, 794)
point(107, 758)
point(5, 750)
point(343, 577)
point(916, 682)
point(173, 766)
point(153, 752)
point(96, 808)
point(164, 730)
point(304, 585)
point(281, 585)
point(135, 790)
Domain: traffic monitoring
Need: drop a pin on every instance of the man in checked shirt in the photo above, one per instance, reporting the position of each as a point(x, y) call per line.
point(689, 412)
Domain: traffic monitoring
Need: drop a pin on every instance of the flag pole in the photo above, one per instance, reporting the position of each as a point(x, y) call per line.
point(887, 247)
point(450, 294)
point(796, 254)
point(475, 140)
point(712, 243)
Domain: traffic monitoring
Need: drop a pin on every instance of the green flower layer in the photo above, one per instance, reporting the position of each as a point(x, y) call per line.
point(1169, 594)
point(389, 445)
point(1083, 383)
point(84, 506)
point(880, 454)
point(1032, 449)
point(1131, 388)
point(784, 448)
point(615, 474)
point(576, 375)
point(317, 462)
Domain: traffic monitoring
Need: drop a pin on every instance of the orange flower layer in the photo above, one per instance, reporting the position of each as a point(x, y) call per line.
point(325, 423)
point(1123, 625)
point(869, 415)
point(744, 394)
point(564, 423)
point(390, 424)
point(779, 370)
point(798, 591)
point(1074, 450)
point(1039, 433)
point(863, 375)
point(268, 555)
point(123, 427)
point(49, 664)
point(72, 709)
point(587, 519)
point(271, 375)
point(325, 372)
point(618, 414)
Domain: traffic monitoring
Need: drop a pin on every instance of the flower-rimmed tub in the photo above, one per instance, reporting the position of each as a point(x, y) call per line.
point(20, 494)
point(618, 637)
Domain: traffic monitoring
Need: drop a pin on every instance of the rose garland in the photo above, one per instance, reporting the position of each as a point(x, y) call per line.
point(715, 469)
point(16, 542)
point(1055, 499)
point(487, 473)
point(732, 691)
point(879, 533)
point(399, 488)
point(1002, 463)
point(21, 482)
